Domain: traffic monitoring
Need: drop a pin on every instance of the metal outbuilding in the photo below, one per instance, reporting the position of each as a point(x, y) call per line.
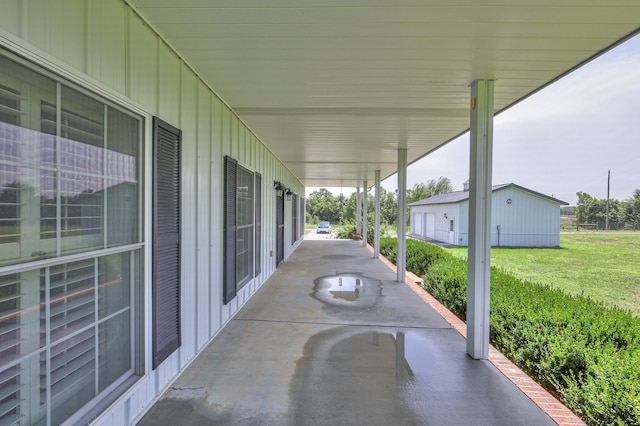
point(520, 217)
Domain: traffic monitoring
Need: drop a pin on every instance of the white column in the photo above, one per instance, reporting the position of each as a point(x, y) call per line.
point(376, 225)
point(365, 205)
point(357, 210)
point(402, 214)
point(480, 219)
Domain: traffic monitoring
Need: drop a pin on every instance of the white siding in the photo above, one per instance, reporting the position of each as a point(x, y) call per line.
point(463, 224)
point(528, 220)
point(434, 224)
point(416, 223)
point(105, 47)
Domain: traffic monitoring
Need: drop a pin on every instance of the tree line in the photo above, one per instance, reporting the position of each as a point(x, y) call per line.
point(323, 205)
point(622, 214)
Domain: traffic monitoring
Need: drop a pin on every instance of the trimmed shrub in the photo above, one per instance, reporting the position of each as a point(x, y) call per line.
point(585, 353)
point(349, 229)
point(419, 255)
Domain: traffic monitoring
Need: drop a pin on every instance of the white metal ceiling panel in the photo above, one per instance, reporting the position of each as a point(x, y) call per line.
point(335, 87)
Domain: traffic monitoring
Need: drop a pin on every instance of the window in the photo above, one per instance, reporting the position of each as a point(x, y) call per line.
point(258, 216)
point(451, 227)
point(69, 167)
point(301, 218)
point(294, 219)
point(243, 196)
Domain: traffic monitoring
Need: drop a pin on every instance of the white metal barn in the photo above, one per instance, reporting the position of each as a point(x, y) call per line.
point(520, 217)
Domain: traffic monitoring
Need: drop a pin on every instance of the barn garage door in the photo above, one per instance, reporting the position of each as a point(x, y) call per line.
point(430, 231)
point(416, 223)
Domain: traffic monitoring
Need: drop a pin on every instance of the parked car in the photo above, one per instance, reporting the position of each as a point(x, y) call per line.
point(324, 227)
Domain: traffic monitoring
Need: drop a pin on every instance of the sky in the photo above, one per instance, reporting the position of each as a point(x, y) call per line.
point(561, 140)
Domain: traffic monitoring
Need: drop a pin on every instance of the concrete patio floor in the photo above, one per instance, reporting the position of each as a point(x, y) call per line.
point(332, 339)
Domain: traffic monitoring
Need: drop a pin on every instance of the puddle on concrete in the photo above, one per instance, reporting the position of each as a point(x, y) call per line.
point(403, 377)
point(353, 376)
point(347, 290)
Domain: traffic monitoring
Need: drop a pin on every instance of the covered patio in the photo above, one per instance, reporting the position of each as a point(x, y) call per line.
point(169, 282)
point(332, 338)
point(347, 93)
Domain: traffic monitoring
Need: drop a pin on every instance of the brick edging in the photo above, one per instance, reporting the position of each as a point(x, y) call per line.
point(536, 393)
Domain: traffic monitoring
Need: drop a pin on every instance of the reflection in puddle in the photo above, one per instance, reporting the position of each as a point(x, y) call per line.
point(347, 290)
point(341, 370)
point(387, 376)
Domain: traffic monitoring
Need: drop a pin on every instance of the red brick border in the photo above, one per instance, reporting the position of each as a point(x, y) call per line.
point(543, 399)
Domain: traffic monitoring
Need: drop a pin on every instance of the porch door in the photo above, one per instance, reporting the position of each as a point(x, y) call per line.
point(279, 229)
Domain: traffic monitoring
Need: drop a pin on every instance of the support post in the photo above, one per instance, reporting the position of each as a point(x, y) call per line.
point(401, 260)
point(357, 210)
point(479, 262)
point(376, 225)
point(365, 205)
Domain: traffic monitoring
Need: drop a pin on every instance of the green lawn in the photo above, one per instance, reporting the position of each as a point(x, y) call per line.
point(603, 266)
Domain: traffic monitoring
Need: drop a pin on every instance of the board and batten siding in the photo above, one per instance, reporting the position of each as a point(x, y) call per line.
point(525, 220)
point(439, 229)
point(106, 48)
point(528, 220)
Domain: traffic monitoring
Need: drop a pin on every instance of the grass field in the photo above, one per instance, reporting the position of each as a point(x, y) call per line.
point(604, 266)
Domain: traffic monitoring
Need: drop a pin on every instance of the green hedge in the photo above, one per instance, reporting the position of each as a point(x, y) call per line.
point(585, 353)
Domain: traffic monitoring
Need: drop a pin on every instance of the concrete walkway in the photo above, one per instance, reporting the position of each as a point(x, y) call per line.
point(332, 339)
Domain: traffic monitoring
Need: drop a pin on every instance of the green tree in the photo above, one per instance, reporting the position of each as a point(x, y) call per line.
point(631, 211)
point(583, 208)
point(592, 210)
point(567, 210)
point(348, 213)
point(388, 207)
point(420, 191)
point(323, 205)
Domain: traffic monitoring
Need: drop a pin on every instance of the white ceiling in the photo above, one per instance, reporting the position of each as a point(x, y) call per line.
point(335, 87)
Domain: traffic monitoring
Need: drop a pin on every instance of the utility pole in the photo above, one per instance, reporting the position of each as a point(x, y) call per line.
point(606, 226)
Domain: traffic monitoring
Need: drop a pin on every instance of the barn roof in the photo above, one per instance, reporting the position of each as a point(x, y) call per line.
point(460, 196)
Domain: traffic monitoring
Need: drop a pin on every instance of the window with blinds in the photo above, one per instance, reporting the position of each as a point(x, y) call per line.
point(11, 387)
point(68, 184)
point(10, 103)
point(294, 219)
point(80, 155)
point(243, 226)
point(301, 218)
point(68, 169)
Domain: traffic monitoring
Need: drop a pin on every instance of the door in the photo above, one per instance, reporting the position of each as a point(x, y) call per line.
point(431, 225)
point(279, 229)
point(416, 224)
point(452, 233)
